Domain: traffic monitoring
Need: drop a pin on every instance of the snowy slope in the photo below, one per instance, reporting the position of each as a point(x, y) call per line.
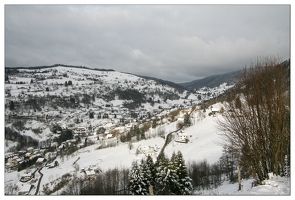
point(275, 186)
point(204, 143)
point(49, 85)
point(204, 139)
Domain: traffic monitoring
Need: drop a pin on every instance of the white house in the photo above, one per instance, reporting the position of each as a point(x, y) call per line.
point(180, 120)
point(89, 174)
point(40, 160)
point(214, 111)
point(182, 137)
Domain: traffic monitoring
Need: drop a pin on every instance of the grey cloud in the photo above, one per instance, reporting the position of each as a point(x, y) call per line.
point(173, 42)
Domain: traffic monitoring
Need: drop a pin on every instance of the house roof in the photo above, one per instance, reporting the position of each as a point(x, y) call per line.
point(89, 173)
point(40, 160)
point(27, 174)
point(215, 109)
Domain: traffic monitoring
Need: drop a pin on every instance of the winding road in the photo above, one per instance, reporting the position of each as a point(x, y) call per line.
point(167, 138)
point(39, 181)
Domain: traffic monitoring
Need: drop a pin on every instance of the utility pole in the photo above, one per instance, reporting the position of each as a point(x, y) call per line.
point(151, 190)
point(239, 178)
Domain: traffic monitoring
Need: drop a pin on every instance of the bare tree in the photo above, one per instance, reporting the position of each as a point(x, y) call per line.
point(257, 121)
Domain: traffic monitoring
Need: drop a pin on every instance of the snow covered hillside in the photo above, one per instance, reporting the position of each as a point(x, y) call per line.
point(275, 186)
point(64, 122)
point(203, 143)
point(79, 97)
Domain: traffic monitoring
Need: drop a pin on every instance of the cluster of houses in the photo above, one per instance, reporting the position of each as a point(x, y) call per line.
point(14, 159)
point(105, 131)
point(148, 150)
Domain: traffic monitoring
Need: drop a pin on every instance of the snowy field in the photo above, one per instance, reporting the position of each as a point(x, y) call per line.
point(275, 186)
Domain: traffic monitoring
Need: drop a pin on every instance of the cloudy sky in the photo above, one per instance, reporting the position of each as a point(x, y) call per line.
point(178, 43)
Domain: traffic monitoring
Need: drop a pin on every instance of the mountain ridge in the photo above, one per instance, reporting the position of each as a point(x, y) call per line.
point(211, 81)
point(57, 65)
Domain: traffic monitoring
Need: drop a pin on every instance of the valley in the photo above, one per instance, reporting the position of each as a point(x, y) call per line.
point(66, 115)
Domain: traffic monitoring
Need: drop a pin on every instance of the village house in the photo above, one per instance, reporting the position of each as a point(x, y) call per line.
point(40, 161)
point(26, 177)
point(9, 155)
point(182, 138)
point(54, 144)
point(180, 120)
point(151, 151)
point(109, 136)
point(214, 111)
point(89, 174)
point(8, 165)
point(15, 160)
point(30, 149)
point(28, 155)
point(50, 155)
point(148, 150)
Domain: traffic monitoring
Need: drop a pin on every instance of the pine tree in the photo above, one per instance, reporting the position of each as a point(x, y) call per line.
point(162, 173)
point(11, 105)
point(166, 176)
point(177, 179)
point(184, 181)
point(173, 177)
point(187, 121)
point(151, 170)
point(137, 185)
point(148, 172)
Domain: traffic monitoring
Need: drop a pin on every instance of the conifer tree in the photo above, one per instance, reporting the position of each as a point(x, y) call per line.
point(148, 172)
point(173, 178)
point(162, 173)
point(137, 182)
point(184, 181)
point(187, 121)
point(151, 169)
point(166, 176)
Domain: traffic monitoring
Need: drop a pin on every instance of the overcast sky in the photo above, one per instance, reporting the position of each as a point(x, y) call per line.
point(179, 43)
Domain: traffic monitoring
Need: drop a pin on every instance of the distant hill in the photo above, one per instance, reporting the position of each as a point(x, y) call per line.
point(216, 80)
point(211, 81)
point(55, 65)
point(165, 82)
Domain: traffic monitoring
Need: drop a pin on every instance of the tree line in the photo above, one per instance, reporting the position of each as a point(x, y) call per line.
point(165, 176)
point(257, 126)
